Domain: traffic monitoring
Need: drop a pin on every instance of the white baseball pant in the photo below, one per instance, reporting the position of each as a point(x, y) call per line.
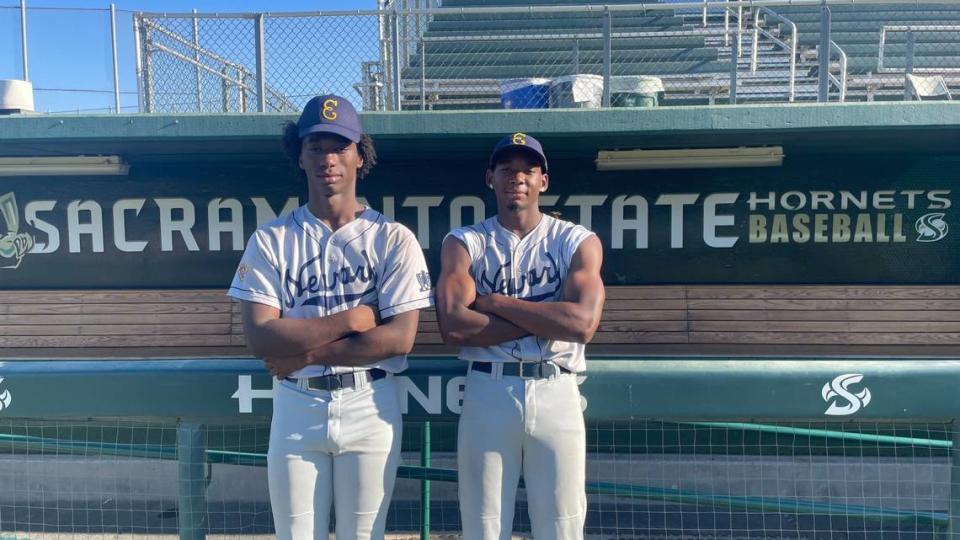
point(509, 424)
point(341, 448)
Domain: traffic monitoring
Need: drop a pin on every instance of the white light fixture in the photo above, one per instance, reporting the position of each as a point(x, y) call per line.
point(63, 166)
point(689, 158)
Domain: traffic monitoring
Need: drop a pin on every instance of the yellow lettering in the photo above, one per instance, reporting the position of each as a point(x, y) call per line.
point(841, 228)
point(863, 232)
point(820, 228)
point(778, 229)
point(758, 228)
point(802, 233)
point(329, 109)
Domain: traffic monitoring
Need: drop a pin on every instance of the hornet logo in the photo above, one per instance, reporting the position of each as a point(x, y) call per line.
point(839, 388)
point(5, 397)
point(931, 227)
point(13, 244)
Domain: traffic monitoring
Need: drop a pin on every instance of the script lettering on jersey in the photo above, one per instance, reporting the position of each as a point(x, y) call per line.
point(523, 285)
point(311, 284)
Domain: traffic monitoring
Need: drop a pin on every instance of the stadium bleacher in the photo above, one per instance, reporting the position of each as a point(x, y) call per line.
point(461, 58)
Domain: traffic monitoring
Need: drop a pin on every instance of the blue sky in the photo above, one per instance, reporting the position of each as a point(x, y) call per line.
point(70, 60)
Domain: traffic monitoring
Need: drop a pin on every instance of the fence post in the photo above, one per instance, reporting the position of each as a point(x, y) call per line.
point(23, 40)
point(261, 66)
point(396, 83)
point(733, 78)
point(196, 58)
point(823, 55)
point(607, 55)
point(423, 75)
point(147, 70)
point(116, 69)
point(225, 88)
point(192, 467)
point(908, 68)
point(141, 106)
point(425, 484)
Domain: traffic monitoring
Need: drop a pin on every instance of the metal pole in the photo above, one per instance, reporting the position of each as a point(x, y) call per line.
point(192, 467)
point(137, 50)
point(225, 89)
point(423, 75)
point(954, 530)
point(23, 40)
point(607, 56)
point(261, 66)
point(908, 69)
point(116, 69)
point(196, 57)
point(739, 31)
point(395, 60)
point(147, 71)
point(823, 55)
point(425, 484)
point(733, 79)
point(726, 26)
point(704, 13)
point(242, 87)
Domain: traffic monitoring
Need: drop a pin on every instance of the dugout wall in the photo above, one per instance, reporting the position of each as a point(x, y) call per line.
point(734, 294)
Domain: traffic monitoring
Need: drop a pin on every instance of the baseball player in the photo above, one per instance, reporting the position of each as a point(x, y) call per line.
point(521, 294)
point(331, 294)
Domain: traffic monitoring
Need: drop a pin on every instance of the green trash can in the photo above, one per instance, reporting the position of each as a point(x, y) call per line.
point(635, 91)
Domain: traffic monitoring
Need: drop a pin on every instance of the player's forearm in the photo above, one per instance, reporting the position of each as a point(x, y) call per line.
point(285, 337)
point(370, 347)
point(564, 321)
point(463, 326)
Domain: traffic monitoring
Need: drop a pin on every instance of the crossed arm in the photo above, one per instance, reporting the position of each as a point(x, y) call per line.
point(467, 318)
point(349, 338)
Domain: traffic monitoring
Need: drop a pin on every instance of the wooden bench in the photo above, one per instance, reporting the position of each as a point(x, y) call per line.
point(638, 320)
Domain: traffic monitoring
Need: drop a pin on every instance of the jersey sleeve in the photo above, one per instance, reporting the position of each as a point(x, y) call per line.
point(574, 237)
point(468, 238)
point(406, 281)
point(258, 277)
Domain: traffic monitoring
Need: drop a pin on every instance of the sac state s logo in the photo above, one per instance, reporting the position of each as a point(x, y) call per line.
point(5, 397)
point(931, 227)
point(843, 401)
point(13, 243)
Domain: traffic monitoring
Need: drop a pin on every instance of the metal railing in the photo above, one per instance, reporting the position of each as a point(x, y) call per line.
point(911, 31)
point(195, 62)
point(790, 47)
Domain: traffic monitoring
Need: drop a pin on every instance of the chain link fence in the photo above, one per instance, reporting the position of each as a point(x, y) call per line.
point(413, 56)
point(468, 54)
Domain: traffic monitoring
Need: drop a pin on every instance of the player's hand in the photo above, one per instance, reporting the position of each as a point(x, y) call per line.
point(364, 317)
point(484, 303)
point(282, 366)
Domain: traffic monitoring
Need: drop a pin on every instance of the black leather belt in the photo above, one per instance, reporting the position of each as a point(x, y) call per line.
point(525, 370)
point(342, 381)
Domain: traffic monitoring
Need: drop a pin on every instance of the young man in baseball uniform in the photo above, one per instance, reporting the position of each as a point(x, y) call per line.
point(331, 294)
point(521, 294)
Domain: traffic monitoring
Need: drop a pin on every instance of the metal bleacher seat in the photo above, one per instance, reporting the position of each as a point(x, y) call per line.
point(924, 87)
point(462, 57)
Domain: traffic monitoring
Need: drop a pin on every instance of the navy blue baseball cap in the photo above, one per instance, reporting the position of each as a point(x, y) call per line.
point(519, 140)
point(330, 114)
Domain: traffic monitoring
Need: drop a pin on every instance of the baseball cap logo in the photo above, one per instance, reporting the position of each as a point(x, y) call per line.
point(330, 109)
point(520, 138)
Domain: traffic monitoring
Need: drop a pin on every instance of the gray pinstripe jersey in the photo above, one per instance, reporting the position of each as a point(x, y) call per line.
point(532, 268)
point(299, 266)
